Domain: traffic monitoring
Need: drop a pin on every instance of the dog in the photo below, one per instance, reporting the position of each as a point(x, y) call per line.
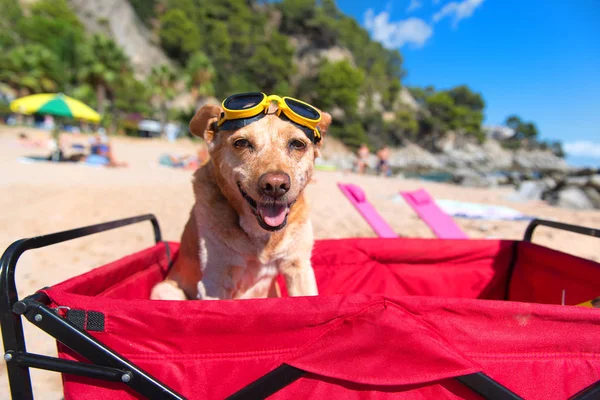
point(250, 220)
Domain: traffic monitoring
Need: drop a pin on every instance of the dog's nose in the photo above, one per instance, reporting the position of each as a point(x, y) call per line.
point(274, 184)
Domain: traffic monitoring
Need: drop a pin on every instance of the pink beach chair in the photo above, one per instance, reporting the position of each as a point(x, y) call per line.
point(442, 225)
point(358, 199)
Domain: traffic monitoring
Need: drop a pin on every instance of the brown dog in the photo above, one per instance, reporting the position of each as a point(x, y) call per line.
point(250, 218)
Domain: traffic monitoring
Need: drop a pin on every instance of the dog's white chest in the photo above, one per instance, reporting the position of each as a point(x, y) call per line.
point(254, 280)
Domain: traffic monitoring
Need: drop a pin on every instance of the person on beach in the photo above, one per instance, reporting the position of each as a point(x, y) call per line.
point(383, 166)
point(363, 156)
point(101, 154)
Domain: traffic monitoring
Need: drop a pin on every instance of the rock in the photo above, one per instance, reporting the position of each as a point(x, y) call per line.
point(118, 20)
point(593, 195)
point(550, 183)
point(529, 190)
point(579, 181)
point(413, 157)
point(575, 198)
point(470, 178)
point(595, 181)
point(308, 56)
point(558, 176)
point(406, 99)
point(499, 158)
point(539, 160)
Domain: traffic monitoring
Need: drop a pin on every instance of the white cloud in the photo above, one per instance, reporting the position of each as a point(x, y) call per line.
point(414, 5)
point(457, 11)
point(396, 34)
point(583, 148)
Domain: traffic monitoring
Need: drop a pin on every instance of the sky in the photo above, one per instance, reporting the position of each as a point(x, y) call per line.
point(537, 59)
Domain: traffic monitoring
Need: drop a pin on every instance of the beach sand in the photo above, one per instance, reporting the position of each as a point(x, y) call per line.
point(41, 198)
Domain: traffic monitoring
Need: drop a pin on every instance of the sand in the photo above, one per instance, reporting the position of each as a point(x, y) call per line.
point(44, 198)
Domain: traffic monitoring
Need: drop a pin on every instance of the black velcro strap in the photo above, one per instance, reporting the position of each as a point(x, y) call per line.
point(95, 321)
point(86, 320)
point(77, 318)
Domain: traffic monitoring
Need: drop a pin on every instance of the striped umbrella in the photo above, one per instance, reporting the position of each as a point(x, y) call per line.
point(54, 104)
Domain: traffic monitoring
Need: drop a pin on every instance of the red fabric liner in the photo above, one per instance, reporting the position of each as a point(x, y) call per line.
point(543, 274)
point(375, 331)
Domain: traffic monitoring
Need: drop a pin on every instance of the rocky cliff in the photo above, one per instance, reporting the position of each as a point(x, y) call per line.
point(117, 19)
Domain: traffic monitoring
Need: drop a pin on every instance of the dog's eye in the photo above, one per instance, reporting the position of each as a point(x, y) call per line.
point(297, 145)
point(241, 144)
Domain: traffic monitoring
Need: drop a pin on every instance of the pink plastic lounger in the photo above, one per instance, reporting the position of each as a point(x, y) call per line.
point(357, 197)
point(442, 225)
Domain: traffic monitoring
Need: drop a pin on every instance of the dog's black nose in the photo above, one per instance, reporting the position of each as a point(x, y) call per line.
point(274, 184)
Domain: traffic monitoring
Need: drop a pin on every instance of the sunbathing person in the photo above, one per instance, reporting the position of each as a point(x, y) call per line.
point(101, 154)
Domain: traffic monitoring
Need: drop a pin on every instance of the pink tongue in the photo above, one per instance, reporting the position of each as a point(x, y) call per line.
point(273, 214)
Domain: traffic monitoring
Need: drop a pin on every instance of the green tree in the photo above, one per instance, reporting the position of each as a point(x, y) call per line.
point(30, 68)
point(523, 130)
point(403, 126)
point(133, 96)
point(104, 61)
point(53, 24)
point(529, 130)
point(463, 96)
point(272, 62)
point(199, 76)
point(350, 131)
point(338, 84)
point(162, 83)
point(513, 122)
point(296, 14)
point(179, 35)
point(86, 94)
point(10, 18)
point(145, 9)
point(442, 109)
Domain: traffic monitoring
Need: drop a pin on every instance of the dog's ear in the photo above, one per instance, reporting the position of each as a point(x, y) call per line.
point(323, 126)
point(202, 123)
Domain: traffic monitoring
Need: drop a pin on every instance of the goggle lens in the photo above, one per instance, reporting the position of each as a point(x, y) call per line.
point(243, 101)
point(302, 110)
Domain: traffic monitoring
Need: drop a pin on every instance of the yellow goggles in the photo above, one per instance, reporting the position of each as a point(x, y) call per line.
point(242, 109)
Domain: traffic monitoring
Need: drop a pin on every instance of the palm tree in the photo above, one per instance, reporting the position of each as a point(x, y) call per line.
point(199, 75)
point(162, 82)
point(104, 62)
point(31, 68)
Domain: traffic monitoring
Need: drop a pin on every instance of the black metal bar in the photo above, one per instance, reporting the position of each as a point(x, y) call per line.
point(12, 326)
point(269, 383)
point(66, 366)
point(558, 225)
point(487, 387)
point(285, 374)
point(87, 346)
point(591, 392)
point(10, 323)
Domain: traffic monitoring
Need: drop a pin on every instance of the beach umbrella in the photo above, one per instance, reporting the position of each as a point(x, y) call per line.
point(56, 104)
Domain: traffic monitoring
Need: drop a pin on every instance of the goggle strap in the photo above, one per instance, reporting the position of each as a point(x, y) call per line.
point(233, 124)
point(309, 132)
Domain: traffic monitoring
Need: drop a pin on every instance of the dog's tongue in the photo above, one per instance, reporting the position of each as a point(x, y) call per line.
point(273, 214)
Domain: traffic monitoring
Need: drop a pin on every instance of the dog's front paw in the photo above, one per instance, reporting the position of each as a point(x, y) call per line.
point(167, 290)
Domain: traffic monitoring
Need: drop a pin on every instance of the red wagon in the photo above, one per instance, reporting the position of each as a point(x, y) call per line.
point(395, 318)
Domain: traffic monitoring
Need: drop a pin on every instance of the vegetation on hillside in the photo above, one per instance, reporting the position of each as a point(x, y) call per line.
point(220, 47)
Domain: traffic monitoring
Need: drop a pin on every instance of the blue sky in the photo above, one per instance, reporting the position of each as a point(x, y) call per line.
point(538, 59)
